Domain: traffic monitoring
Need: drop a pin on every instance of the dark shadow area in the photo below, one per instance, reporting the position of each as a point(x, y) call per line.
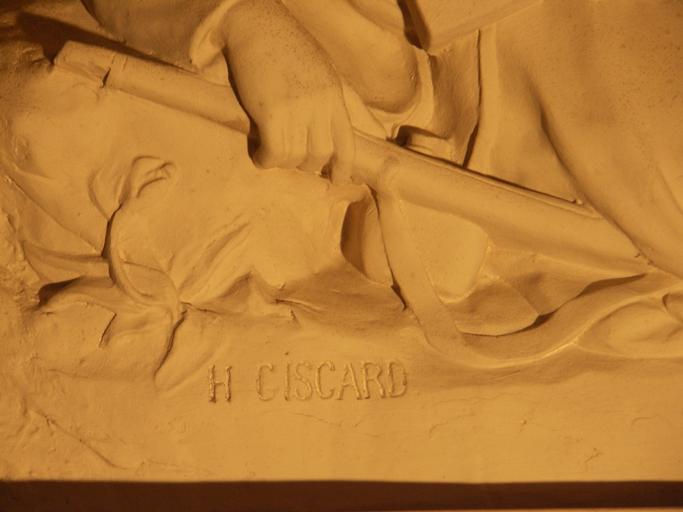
point(52, 35)
point(332, 496)
point(50, 290)
point(253, 139)
point(409, 24)
point(10, 5)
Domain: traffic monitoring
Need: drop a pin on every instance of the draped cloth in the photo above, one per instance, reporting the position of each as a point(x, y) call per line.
point(566, 103)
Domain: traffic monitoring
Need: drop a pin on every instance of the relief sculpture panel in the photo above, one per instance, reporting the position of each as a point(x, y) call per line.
point(349, 239)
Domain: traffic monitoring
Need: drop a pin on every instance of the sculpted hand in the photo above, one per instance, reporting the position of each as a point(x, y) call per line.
point(290, 89)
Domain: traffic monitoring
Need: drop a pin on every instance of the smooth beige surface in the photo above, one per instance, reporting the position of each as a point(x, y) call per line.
point(218, 262)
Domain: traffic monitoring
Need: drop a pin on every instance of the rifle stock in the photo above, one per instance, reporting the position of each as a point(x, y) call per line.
point(511, 215)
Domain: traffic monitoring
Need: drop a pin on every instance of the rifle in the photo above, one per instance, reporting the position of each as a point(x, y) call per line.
point(513, 216)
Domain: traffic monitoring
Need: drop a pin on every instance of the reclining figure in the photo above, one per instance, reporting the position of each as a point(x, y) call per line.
point(154, 213)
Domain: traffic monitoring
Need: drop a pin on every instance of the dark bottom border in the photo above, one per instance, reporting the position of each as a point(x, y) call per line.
point(331, 496)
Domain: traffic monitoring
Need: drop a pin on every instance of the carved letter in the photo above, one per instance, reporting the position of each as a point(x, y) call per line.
point(399, 384)
point(288, 382)
point(349, 379)
point(227, 383)
point(372, 377)
point(318, 385)
point(303, 380)
point(259, 383)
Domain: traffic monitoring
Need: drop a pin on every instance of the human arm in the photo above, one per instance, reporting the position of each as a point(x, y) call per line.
point(283, 78)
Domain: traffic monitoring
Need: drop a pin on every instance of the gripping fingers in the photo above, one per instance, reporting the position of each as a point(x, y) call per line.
point(273, 149)
point(320, 147)
point(309, 144)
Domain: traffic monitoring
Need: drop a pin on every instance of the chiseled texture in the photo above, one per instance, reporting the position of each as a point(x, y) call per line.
point(177, 31)
point(583, 100)
point(147, 248)
point(519, 106)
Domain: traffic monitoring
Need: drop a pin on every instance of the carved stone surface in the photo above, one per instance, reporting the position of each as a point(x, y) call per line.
point(406, 240)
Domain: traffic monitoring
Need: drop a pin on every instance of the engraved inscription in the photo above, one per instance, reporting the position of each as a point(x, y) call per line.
point(325, 380)
point(322, 380)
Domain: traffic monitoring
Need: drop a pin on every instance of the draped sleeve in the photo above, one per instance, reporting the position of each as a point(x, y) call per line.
point(182, 32)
